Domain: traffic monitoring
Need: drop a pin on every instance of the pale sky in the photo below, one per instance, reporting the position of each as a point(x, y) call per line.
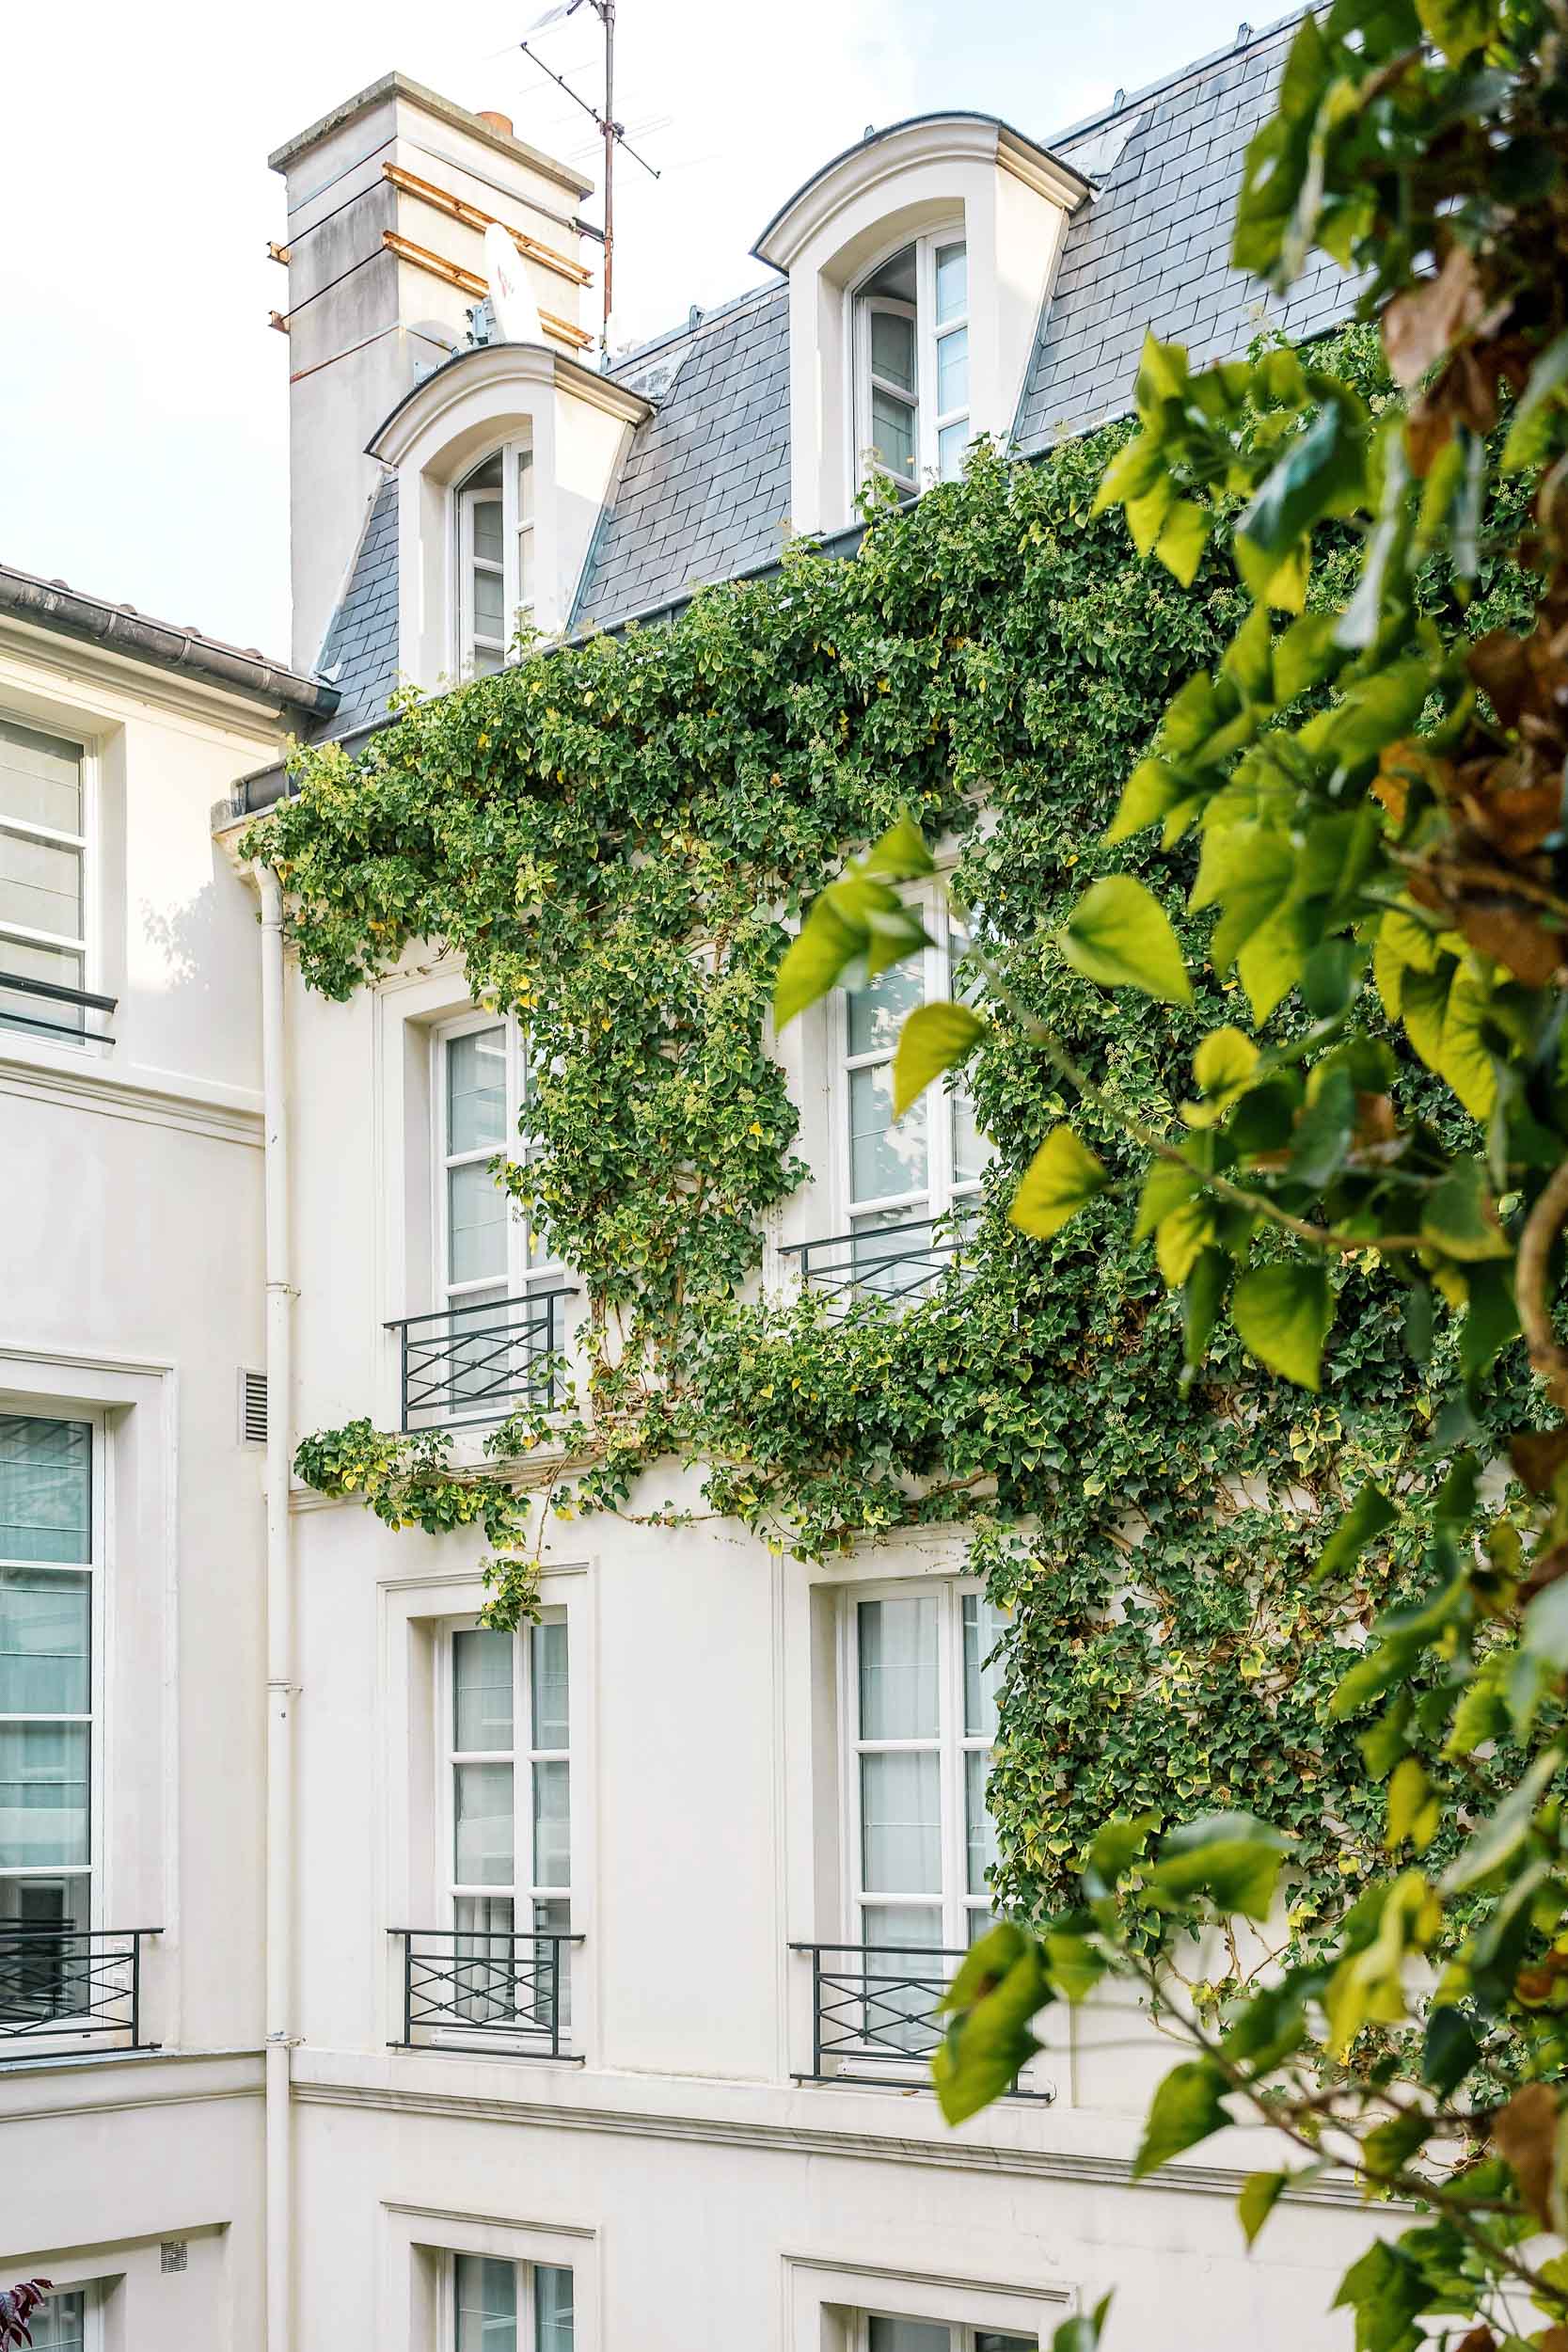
point(143, 452)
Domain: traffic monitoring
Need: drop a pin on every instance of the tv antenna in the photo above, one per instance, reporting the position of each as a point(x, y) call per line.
point(613, 133)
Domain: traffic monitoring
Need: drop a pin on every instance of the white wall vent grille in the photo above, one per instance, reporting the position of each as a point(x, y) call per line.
point(253, 1409)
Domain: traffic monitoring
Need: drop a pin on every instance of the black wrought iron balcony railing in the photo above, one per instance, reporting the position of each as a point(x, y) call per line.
point(881, 1261)
point(485, 1991)
point(877, 2014)
point(48, 1007)
point(477, 1363)
point(72, 1986)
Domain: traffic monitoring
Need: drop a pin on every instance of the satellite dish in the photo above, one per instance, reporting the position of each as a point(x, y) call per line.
point(516, 313)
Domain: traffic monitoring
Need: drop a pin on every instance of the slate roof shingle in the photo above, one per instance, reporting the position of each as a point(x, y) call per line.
point(360, 652)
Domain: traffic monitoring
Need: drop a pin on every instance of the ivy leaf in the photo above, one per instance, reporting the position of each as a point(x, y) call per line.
point(1448, 2051)
point(1062, 1176)
point(934, 1039)
point(1261, 2193)
point(1185, 2110)
point(1500, 1839)
point(1119, 936)
point(1231, 1858)
point(1282, 1313)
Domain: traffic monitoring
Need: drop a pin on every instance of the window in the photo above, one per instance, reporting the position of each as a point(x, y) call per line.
point(899, 1178)
point(510, 2307)
point(47, 1522)
point(920, 1709)
point(495, 558)
point(61, 2322)
point(911, 362)
point(878, 2332)
point(43, 902)
point(508, 1730)
point(491, 1272)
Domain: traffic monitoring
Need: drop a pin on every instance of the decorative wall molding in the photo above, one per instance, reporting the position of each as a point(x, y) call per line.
point(117, 1098)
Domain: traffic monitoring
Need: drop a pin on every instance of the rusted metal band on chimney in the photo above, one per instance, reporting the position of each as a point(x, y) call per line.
point(470, 282)
point(458, 208)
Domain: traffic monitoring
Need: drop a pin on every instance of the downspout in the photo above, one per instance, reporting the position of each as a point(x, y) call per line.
point(280, 1691)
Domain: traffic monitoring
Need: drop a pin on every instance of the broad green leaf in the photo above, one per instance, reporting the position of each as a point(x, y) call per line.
point(1150, 792)
point(1500, 1839)
point(1458, 27)
point(1231, 1857)
point(1225, 1062)
point(1376, 711)
point(1386, 2290)
point(821, 952)
point(1366, 1520)
point(934, 1038)
point(1458, 1216)
point(1062, 1176)
point(1274, 959)
point(1547, 378)
point(1165, 1189)
point(1384, 1743)
point(1185, 2108)
point(1000, 1986)
point(901, 854)
point(1074, 1965)
point(1282, 1313)
point(1314, 476)
point(1388, 2148)
point(1544, 1633)
point(1448, 2051)
point(1119, 936)
point(1180, 1239)
point(1414, 1812)
point(1183, 536)
point(1081, 2333)
point(1247, 871)
point(1261, 2193)
point(1201, 1294)
point(1305, 655)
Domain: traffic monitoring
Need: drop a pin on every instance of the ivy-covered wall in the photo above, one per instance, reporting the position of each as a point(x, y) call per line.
point(613, 836)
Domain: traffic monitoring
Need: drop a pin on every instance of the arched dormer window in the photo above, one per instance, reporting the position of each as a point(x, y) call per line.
point(495, 558)
point(911, 361)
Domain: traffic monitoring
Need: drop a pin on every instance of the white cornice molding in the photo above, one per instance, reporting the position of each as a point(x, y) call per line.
point(119, 1098)
point(946, 2155)
point(963, 141)
point(495, 368)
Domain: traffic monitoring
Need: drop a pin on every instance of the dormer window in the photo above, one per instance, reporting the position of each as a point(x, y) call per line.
point(911, 362)
point(495, 558)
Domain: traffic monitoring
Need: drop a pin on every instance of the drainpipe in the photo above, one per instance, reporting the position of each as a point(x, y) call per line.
point(280, 1688)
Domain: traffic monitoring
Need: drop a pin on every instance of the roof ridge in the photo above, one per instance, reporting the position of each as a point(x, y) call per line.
point(1191, 71)
point(693, 327)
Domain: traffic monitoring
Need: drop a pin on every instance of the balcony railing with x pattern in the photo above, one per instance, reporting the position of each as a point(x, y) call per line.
point(485, 1991)
point(477, 1363)
point(71, 1986)
point(889, 1262)
point(47, 1010)
point(877, 2014)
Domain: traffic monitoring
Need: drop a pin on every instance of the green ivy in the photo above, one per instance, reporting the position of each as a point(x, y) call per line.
point(614, 837)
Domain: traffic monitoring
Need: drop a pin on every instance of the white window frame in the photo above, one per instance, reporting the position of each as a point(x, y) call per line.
point(519, 1275)
point(527, 2315)
point(519, 555)
point(942, 1192)
point(953, 1743)
point(930, 423)
point(93, 2298)
point(93, 1871)
point(961, 2335)
point(85, 845)
point(523, 1894)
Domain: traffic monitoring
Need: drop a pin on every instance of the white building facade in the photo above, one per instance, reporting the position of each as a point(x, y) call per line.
point(570, 1990)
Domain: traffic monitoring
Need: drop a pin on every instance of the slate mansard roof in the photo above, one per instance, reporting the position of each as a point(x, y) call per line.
point(704, 491)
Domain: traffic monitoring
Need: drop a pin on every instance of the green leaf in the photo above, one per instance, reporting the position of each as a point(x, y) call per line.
point(1150, 792)
point(1500, 1839)
point(1414, 1812)
point(1366, 1520)
point(1458, 1216)
point(1201, 1294)
point(1183, 536)
point(1448, 2051)
point(1386, 2290)
point(1231, 1857)
point(1547, 378)
point(1119, 936)
point(1000, 1986)
point(1316, 473)
point(934, 1039)
point(1062, 1176)
point(1182, 1238)
point(1082, 2332)
point(821, 952)
point(1305, 655)
point(1458, 27)
point(1074, 1965)
point(1383, 1743)
point(1261, 2193)
point(1165, 1189)
point(901, 854)
point(1185, 2110)
point(1247, 870)
point(1224, 1063)
point(1544, 1633)
point(1282, 1313)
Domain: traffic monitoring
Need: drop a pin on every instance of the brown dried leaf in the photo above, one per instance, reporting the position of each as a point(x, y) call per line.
point(1420, 326)
point(1500, 667)
point(1514, 936)
point(1538, 1455)
point(1525, 2134)
point(1479, 2340)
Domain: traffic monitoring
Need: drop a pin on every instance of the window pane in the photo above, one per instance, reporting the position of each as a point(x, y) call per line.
point(476, 1091)
point(525, 485)
point(884, 1160)
point(482, 1670)
point(45, 1490)
point(901, 1822)
point(33, 1903)
point(952, 442)
point(984, 1626)
point(893, 434)
point(60, 2323)
point(899, 1696)
point(487, 663)
point(552, 2310)
point(951, 282)
point(953, 372)
point(525, 565)
point(41, 778)
point(487, 2305)
point(40, 885)
point(44, 1621)
point(484, 1960)
point(980, 1828)
point(489, 540)
point(551, 1723)
point(476, 1367)
point(970, 1149)
point(25, 959)
point(908, 2335)
point(552, 1826)
point(876, 1012)
point(987, 2339)
point(892, 348)
point(482, 1839)
point(489, 604)
point(43, 1794)
point(476, 1230)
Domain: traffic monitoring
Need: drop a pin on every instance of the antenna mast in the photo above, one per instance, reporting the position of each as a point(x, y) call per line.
point(613, 133)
